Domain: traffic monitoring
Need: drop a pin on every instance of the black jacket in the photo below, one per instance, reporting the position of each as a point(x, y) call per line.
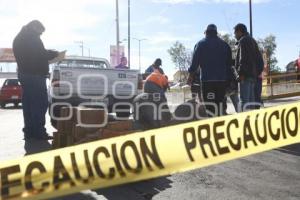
point(30, 53)
point(249, 62)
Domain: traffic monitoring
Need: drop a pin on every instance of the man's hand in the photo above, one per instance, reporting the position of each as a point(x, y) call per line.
point(53, 53)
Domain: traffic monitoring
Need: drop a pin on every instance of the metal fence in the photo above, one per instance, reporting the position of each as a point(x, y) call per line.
point(274, 87)
point(281, 86)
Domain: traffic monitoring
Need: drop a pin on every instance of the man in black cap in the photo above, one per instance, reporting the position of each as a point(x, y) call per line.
point(214, 57)
point(32, 59)
point(249, 64)
point(157, 64)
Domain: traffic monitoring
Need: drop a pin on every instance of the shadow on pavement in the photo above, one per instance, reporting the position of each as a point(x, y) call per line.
point(291, 149)
point(37, 146)
point(79, 196)
point(144, 190)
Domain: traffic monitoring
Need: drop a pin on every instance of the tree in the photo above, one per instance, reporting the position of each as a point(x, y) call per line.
point(268, 45)
point(229, 39)
point(181, 57)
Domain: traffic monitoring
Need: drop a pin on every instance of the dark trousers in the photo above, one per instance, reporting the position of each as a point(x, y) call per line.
point(213, 96)
point(35, 104)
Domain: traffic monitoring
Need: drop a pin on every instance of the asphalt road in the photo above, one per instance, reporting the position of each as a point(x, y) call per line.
point(273, 175)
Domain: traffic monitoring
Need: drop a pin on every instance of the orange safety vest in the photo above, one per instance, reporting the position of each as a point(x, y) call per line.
point(157, 78)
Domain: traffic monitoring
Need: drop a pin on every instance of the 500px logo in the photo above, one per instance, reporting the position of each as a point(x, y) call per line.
point(97, 90)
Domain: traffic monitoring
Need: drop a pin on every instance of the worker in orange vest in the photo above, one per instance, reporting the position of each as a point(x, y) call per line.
point(150, 117)
point(156, 82)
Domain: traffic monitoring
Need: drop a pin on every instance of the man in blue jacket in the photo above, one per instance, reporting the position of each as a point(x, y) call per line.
point(214, 57)
point(157, 64)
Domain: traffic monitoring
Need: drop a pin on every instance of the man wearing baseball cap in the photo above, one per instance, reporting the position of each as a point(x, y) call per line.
point(214, 57)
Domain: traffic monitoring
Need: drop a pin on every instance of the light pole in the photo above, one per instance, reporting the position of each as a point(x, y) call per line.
point(81, 46)
point(129, 34)
point(250, 13)
point(89, 50)
point(118, 31)
point(139, 40)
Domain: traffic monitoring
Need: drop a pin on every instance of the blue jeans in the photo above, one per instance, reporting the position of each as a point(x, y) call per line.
point(152, 88)
point(235, 101)
point(257, 94)
point(247, 94)
point(35, 104)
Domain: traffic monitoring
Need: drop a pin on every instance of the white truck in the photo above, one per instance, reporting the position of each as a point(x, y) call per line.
point(89, 81)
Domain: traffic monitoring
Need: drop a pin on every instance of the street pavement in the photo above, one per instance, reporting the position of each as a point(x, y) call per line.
point(273, 175)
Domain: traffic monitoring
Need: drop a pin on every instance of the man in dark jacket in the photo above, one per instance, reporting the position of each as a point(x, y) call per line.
point(249, 64)
point(214, 56)
point(32, 59)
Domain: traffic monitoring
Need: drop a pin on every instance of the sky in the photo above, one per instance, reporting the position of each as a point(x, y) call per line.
point(160, 22)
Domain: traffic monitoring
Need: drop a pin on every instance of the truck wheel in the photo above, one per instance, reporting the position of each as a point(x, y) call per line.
point(124, 114)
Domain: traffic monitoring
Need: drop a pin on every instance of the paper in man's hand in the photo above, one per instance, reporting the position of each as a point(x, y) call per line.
point(60, 57)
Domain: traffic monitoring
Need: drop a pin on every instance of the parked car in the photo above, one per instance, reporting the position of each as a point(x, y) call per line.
point(10, 92)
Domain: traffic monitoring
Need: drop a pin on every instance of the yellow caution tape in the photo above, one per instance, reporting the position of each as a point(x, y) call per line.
point(149, 154)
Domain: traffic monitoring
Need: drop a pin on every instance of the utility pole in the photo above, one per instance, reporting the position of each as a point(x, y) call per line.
point(118, 31)
point(250, 13)
point(129, 34)
point(89, 51)
point(139, 40)
point(81, 46)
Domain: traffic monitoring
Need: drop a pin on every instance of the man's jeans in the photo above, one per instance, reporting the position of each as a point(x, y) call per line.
point(247, 94)
point(35, 104)
point(152, 88)
point(257, 93)
point(235, 101)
